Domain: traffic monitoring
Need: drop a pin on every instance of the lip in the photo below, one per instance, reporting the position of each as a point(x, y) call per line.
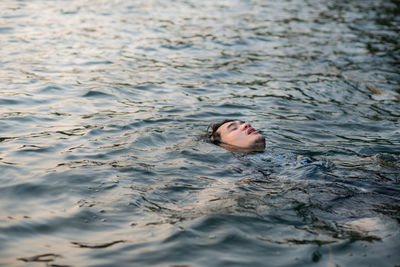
point(251, 130)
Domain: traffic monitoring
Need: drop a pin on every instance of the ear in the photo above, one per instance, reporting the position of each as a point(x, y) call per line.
point(216, 137)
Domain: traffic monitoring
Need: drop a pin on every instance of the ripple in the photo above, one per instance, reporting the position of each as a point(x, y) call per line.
point(48, 257)
point(103, 108)
point(96, 94)
point(96, 246)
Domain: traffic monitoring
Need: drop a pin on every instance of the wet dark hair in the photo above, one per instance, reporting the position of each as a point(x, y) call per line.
point(212, 134)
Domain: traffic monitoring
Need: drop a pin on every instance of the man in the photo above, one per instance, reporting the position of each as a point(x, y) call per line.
point(236, 136)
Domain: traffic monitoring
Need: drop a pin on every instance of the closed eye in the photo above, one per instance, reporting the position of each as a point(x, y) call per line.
point(232, 126)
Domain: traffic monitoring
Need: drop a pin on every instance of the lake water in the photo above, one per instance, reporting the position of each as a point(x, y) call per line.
point(103, 105)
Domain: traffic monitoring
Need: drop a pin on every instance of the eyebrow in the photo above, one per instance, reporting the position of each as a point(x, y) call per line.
point(232, 124)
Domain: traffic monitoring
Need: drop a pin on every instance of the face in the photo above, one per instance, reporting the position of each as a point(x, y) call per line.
point(242, 135)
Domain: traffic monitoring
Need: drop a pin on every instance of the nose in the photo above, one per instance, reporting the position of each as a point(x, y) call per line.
point(245, 126)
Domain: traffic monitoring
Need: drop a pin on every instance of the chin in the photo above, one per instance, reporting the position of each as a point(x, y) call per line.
point(249, 149)
point(260, 141)
point(258, 145)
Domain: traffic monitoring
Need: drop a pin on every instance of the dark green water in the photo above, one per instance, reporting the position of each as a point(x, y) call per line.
point(102, 109)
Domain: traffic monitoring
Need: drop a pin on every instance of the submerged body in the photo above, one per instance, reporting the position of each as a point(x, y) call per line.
point(341, 200)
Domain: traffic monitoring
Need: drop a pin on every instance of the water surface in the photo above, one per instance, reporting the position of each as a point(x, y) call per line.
point(103, 107)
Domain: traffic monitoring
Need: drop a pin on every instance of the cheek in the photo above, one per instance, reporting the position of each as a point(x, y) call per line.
point(237, 138)
point(229, 138)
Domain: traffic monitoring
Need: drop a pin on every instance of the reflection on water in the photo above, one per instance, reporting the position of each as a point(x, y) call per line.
point(102, 109)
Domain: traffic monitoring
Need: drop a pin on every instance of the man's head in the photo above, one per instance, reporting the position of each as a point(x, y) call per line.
point(236, 136)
